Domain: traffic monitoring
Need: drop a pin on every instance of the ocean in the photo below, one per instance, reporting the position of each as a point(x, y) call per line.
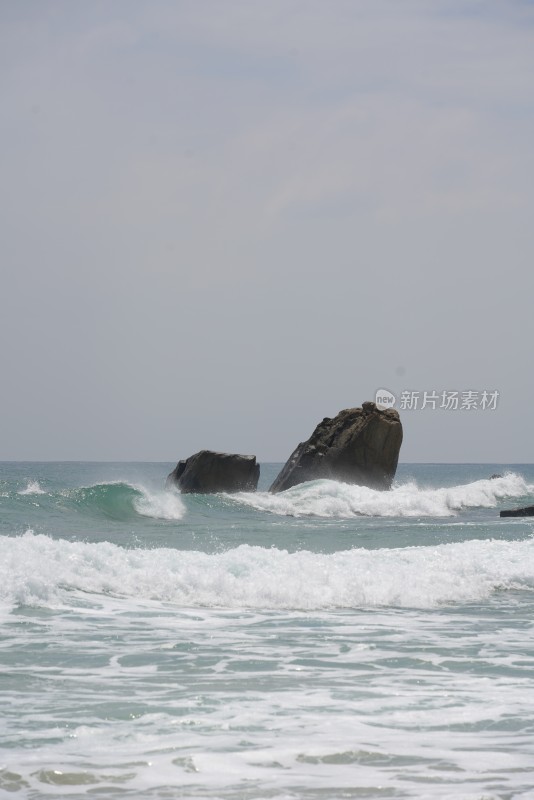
point(327, 642)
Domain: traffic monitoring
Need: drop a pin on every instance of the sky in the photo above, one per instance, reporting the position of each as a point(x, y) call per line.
point(221, 221)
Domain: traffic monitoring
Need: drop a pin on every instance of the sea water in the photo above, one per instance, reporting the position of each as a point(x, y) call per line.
point(326, 642)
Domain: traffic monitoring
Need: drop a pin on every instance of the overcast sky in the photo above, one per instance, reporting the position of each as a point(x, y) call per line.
point(223, 220)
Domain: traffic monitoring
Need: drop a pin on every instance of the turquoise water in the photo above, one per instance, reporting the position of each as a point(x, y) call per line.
point(326, 642)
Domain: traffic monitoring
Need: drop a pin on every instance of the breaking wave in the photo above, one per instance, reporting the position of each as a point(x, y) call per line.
point(326, 498)
point(39, 571)
point(32, 487)
point(118, 500)
point(123, 501)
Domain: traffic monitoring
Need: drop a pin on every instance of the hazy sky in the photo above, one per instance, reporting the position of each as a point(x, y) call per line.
point(222, 220)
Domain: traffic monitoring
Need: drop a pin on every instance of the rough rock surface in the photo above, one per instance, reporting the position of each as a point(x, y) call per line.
point(208, 472)
point(359, 445)
point(526, 511)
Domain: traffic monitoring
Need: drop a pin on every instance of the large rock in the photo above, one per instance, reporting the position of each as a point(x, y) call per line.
point(360, 445)
point(208, 472)
point(526, 511)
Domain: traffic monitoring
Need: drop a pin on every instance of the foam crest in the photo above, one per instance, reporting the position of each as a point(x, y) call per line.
point(32, 488)
point(159, 505)
point(326, 498)
point(37, 570)
point(124, 501)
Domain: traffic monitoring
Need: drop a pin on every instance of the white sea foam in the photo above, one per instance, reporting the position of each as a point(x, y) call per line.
point(159, 505)
point(326, 498)
point(32, 488)
point(37, 570)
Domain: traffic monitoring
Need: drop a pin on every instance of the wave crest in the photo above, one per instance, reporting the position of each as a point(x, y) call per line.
point(326, 498)
point(37, 570)
point(32, 487)
point(123, 501)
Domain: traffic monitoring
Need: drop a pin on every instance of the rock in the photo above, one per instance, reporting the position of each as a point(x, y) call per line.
point(359, 445)
point(494, 476)
point(527, 511)
point(207, 472)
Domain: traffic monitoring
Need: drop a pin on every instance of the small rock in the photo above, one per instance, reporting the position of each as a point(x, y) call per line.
point(527, 511)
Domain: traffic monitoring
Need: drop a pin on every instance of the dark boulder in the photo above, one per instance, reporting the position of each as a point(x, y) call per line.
point(527, 511)
point(359, 445)
point(495, 476)
point(207, 472)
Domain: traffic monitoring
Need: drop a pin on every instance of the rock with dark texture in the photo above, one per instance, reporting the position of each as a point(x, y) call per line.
point(207, 472)
point(359, 445)
point(495, 476)
point(526, 511)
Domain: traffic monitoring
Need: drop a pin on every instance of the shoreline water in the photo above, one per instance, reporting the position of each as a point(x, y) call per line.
point(166, 646)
